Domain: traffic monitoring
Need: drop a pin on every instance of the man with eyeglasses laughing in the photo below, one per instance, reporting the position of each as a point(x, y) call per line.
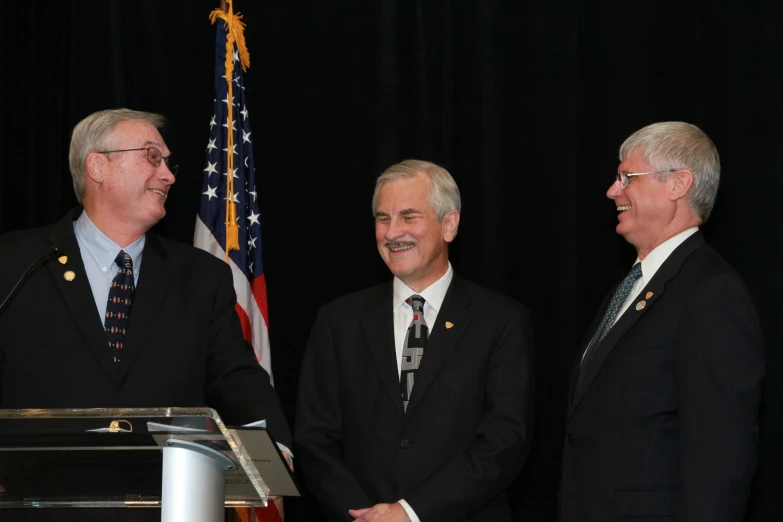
point(110, 315)
point(662, 422)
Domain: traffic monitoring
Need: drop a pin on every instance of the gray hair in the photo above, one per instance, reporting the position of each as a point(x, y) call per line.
point(672, 145)
point(445, 194)
point(94, 133)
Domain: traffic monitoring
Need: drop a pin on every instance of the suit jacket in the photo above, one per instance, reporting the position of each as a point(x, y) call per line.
point(665, 425)
point(466, 432)
point(184, 345)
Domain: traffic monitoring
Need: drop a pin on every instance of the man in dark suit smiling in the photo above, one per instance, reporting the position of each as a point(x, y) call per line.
point(415, 398)
point(117, 316)
point(663, 419)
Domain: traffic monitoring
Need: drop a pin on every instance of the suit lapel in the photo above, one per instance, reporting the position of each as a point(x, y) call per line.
point(585, 342)
point(77, 293)
point(378, 327)
point(636, 311)
point(456, 311)
point(154, 276)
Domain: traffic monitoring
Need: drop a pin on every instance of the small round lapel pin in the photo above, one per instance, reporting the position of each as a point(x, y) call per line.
point(70, 275)
point(640, 305)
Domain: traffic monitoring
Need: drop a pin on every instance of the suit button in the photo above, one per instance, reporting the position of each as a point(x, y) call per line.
point(570, 437)
point(404, 443)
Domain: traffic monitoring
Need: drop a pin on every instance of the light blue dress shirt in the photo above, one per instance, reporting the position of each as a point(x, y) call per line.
point(98, 255)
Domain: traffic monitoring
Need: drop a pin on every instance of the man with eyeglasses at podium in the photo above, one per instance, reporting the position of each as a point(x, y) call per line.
point(108, 315)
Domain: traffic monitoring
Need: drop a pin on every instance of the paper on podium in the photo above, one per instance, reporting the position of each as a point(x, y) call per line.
point(257, 443)
point(268, 459)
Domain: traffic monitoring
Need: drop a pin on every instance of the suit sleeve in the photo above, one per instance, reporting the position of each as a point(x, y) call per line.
point(472, 478)
point(719, 366)
point(237, 386)
point(318, 428)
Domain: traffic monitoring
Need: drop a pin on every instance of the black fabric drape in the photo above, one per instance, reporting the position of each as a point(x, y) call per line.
point(526, 103)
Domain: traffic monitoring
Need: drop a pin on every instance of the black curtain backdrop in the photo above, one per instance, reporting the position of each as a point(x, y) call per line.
point(525, 102)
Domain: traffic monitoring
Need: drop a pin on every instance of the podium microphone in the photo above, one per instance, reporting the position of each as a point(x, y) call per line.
point(30, 271)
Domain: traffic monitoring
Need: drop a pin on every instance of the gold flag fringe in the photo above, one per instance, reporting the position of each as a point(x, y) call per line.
point(243, 514)
point(235, 35)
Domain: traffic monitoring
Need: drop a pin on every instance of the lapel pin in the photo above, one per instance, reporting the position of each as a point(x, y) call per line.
point(640, 305)
point(69, 275)
point(648, 295)
point(62, 259)
point(449, 324)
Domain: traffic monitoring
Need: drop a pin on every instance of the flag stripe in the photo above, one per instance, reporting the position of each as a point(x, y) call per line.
point(259, 292)
point(246, 296)
point(244, 320)
point(268, 514)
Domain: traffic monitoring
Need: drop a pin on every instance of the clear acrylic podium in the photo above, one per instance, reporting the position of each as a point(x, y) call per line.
point(185, 461)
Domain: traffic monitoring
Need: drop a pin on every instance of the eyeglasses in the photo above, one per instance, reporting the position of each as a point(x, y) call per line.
point(623, 177)
point(154, 156)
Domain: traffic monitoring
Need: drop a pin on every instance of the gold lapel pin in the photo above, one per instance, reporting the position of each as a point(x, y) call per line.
point(62, 259)
point(640, 305)
point(648, 295)
point(449, 324)
point(69, 275)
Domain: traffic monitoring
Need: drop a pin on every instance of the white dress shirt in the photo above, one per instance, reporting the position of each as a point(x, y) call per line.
point(403, 312)
point(652, 263)
point(403, 315)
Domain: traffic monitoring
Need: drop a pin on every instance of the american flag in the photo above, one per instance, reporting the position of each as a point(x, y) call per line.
point(210, 235)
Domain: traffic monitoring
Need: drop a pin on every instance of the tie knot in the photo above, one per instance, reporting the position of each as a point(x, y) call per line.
point(123, 260)
point(627, 284)
point(635, 273)
point(416, 302)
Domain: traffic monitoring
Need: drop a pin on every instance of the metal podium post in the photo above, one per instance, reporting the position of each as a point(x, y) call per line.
point(194, 482)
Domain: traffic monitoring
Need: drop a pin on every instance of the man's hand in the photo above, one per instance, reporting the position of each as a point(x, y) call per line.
point(380, 513)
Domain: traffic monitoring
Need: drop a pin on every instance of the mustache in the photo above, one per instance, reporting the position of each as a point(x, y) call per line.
point(398, 244)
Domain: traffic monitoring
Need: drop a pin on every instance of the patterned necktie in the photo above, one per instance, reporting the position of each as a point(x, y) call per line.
point(118, 307)
point(413, 349)
point(608, 320)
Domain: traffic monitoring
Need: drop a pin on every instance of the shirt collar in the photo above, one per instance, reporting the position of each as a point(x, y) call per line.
point(661, 253)
point(433, 294)
point(102, 249)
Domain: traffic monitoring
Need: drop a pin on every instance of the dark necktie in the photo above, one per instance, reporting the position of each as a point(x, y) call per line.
point(413, 348)
point(118, 307)
point(608, 320)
